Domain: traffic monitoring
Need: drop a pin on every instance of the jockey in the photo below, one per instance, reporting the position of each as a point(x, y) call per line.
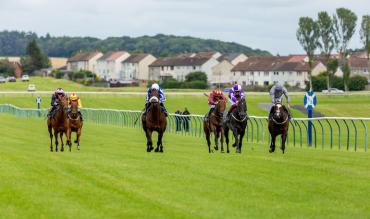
point(236, 93)
point(276, 95)
point(54, 100)
point(72, 98)
point(215, 96)
point(162, 98)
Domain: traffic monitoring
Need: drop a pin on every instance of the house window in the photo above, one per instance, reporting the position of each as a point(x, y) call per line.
point(234, 74)
point(299, 73)
point(172, 68)
point(365, 69)
point(244, 83)
point(256, 83)
point(243, 73)
point(252, 73)
point(266, 83)
point(162, 68)
point(290, 73)
point(194, 67)
point(266, 73)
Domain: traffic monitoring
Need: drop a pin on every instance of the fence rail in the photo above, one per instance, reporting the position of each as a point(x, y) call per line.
point(343, 133)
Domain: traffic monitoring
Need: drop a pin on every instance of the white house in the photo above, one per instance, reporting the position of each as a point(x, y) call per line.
point(178, 67)
point(84, 61)
point(222, 71)
point(136, 67)
point(109, 65)
point(270, 70)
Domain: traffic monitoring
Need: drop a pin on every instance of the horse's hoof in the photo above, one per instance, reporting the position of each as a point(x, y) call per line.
point(234, 145)
point(228, 151)
point(148, 150)
point(75, 141)
point(222, 151)
point(216, 148)
point(156, 150)
point(271, 151)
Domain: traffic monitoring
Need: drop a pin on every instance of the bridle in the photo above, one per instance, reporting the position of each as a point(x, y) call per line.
point(278, 105)
point(239, 120)
point(73, 115)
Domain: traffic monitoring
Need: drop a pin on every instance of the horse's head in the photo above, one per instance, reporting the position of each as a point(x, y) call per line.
point(74, 109)
point(220, 108)
point(279, 113)
point(241, 108)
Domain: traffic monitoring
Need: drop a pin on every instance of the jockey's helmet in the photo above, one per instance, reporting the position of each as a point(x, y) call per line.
point(237, 88)
point(278, 87)
point(73, 97)
point(155, 86)
point(59, 91)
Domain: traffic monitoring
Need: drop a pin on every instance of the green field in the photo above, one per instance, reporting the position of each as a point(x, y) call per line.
point(113, 177)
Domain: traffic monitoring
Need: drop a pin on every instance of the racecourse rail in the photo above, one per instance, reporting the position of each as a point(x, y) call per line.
point(342, 133)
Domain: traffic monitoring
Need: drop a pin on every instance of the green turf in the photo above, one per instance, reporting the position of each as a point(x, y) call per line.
point(113, 177)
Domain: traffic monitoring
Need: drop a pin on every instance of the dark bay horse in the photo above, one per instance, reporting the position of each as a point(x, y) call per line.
point(155, 120)
point(214, 125)
point(58, 123)
point(237, 124)
point(74, 125)
point(278, 125)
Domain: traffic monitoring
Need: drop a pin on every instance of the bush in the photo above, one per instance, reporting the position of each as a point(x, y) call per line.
point(58, 74)
point(196, 76)
point(357, 83)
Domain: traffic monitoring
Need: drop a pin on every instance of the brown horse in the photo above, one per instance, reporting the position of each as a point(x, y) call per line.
point(58, 123)
point(155, 120)
point(214, 125)
point(278, 125)
point(74, 124)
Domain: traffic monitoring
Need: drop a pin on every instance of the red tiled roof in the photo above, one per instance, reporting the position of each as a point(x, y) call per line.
point(135, 58)
point(111, 56)
point(355, 62)
point(84, 56)
point(179, 61)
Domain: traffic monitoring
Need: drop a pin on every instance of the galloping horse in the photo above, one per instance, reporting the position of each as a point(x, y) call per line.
point(237, 124)
point(155, 120)
point(278, 125)
point(215, 125)
point(74, 125)
point(58, 123)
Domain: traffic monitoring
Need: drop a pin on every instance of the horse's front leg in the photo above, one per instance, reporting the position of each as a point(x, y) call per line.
point(159, 142)
point(226, 133)
point(56, 139)
point(51, 137)
point(283, 140)
point(222, 140)
point(149, 143)
point(272, 145)
point(61, 140)
point(242, 133)
point(236, 137)
point(216, 133)
point(79, 131)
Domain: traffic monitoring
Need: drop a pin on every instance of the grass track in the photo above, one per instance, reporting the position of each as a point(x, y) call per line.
point(113, 177)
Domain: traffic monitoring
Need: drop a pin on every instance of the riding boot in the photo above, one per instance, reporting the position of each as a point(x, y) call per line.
point(163, 108)
point(52, 112)
point(146, 108)
point(270, 115)
point(82, 119)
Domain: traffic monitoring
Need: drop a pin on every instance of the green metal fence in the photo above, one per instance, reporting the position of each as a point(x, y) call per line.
point(341, 133)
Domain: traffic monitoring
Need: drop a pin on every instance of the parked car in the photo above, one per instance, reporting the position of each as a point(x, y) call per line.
point(25, 78)
point(12, 79)
point(333, 91)
point(2, 79)
point(31, 88)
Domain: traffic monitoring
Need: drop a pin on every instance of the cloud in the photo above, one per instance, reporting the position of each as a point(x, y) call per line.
point(264, 24)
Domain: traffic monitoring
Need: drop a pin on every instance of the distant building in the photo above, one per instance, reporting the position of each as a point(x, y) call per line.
point(222, 71)
point(110, 64)
point(179, 66)
point(359, 66)
point(17, 69)
point(271, 70)
point(84, 61)
point(136, 67)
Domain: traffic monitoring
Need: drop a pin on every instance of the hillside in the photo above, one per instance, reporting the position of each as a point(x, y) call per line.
point(13, 43)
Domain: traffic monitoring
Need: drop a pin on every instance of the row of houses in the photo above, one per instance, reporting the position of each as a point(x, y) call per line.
point(220, 68)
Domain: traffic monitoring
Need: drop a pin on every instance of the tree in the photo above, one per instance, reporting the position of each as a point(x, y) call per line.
point(34, 59)
point(196, 76)
point(308, 37)
point(326, 40)
point(365, 34)
point(331, 66)
point(6, 68)
point(345, 26)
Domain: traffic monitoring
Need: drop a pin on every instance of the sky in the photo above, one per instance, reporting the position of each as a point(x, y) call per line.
point(265, 24)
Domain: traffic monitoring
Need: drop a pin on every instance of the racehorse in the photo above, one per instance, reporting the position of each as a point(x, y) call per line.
point(58, 123)
point(278, 125)
point(214, 125)
point(154, 120)
point(74, 125)
point(237, 124)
